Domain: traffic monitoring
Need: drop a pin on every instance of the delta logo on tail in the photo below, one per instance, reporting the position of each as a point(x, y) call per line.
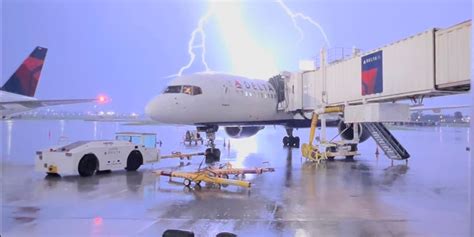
point(25, 79)
point(372, 73)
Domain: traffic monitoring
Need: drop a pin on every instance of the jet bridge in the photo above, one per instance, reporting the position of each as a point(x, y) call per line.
point(436, 62)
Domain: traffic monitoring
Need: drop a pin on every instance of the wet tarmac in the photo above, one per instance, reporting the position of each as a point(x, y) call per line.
point(366, 197)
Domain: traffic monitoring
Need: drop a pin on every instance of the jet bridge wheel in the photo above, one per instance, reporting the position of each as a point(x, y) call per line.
point(134, 160)
point(353, 148)
point(331, 149)
point(88, 165)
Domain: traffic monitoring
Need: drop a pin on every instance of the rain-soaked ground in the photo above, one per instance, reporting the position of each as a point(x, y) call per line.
point(367, 197)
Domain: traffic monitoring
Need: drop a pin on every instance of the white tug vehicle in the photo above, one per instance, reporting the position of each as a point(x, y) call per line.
point(129, 151)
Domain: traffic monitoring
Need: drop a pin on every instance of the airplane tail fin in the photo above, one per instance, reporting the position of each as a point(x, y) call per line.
point(26, 77)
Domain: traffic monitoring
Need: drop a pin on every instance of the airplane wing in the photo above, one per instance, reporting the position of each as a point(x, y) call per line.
point(42, 103)
point(145, 122)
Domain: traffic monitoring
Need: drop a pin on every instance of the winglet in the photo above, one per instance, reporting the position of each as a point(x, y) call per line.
point(25, 79)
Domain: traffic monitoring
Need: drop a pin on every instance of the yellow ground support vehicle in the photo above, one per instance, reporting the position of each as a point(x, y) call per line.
point(332, 149)
point(203, 176)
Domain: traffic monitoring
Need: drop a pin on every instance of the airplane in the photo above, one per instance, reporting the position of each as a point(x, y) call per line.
point(17, 94)
point(242, 106)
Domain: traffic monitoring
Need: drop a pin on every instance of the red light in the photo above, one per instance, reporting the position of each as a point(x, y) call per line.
point(102, 99)
point(98, 220)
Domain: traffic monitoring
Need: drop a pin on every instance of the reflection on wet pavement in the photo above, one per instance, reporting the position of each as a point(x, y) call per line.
point(365, 197)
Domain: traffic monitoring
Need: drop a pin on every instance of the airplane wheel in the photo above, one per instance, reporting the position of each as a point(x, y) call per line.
point(134, 160)
point(187, 182)
point(296, 142)
point(217, 155)
point(88, 165)
point(286, 141)
point(212, 155)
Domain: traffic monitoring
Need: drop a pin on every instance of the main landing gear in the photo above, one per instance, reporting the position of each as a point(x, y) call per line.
point(212, 154)
point(290, 141)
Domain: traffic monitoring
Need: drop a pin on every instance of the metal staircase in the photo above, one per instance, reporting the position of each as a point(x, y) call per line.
point(385, 140)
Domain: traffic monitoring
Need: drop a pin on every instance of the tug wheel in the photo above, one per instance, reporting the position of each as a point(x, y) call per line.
point(88, 165)
point(134, 160)
point(187, 182)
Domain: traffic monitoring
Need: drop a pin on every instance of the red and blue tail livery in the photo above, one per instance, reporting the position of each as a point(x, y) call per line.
point(25, 79)
point(372, 73)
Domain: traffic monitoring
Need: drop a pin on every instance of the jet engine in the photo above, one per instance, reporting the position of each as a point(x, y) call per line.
point(348, 133)
point(242, 132)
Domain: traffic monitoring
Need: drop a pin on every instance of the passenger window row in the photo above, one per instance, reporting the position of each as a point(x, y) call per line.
point(258, 94)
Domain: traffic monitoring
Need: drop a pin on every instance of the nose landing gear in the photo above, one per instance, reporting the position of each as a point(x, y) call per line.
point(212, 154)
point(290, 141)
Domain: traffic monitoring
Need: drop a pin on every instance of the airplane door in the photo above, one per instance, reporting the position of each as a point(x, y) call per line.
point(225, 102)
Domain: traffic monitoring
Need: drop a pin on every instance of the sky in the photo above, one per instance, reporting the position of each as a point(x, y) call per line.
point(128, 49)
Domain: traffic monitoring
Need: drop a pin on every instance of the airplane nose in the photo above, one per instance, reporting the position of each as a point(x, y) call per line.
point(151, 108)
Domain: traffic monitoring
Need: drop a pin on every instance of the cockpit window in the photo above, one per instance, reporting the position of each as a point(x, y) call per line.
point(173, 89)
point(186, 89)
point(197, 90)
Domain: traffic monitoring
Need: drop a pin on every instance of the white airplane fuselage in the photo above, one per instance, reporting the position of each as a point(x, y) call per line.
point(217, 99)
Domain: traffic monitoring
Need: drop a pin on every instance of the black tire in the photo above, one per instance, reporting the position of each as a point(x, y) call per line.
point(296, 142)
point(353, 148)
point(88, 165)
point(226, 234)
point(225, 176)
point(330, 149)
point(187, 182)
point(212, 155)
point(177, 233)
point(286, 141)
point(134, 160)
point(52, 174)
point(217, 155)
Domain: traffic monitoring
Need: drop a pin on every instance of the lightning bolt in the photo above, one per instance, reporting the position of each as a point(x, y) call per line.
point(199, 30)
point(295, 15)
